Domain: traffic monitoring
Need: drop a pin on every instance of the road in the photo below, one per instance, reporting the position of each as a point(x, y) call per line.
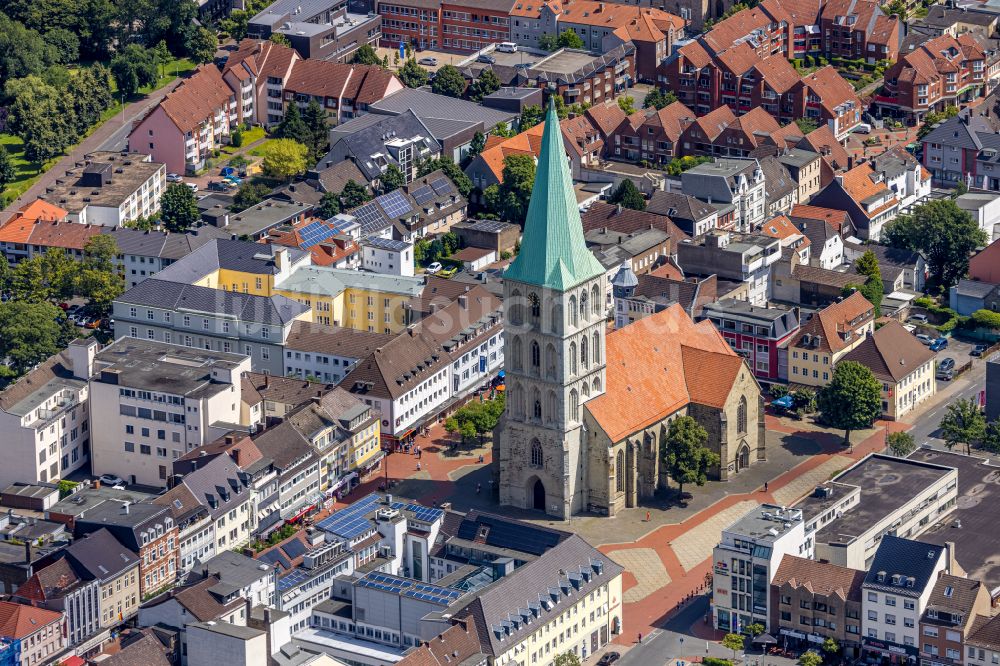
point(969, 385)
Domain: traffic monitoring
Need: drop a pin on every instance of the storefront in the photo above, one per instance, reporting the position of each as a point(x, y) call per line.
point(877, 651)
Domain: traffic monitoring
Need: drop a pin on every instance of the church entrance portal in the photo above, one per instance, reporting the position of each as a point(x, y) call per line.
point(538, 492)
point(743, 459)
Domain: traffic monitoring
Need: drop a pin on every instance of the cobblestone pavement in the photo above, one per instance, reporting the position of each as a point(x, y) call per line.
point(667, 558)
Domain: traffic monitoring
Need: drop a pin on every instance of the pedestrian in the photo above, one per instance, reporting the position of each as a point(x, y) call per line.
point(418, 467)
point(640, 638)
point(765, 486)
point(480, 459)
point(647, 516)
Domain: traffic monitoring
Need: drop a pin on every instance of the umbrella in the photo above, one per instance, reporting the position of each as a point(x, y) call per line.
point(784, 402)
point(766, 639)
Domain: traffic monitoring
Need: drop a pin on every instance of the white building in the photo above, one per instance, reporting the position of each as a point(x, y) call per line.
point(44, 418)
point(155, 402)
point(746, 559)
point(895, 593)
point(904, 175)
point(739, 182)
point(328, 353)
point(387, 256)
point(214, 643)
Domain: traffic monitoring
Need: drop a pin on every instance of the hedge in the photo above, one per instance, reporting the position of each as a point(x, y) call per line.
point(953, 319)
point(987, 318)
point(715, 661)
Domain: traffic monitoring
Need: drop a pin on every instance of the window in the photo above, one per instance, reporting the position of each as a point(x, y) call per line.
point(741, 416)
point(536, 454)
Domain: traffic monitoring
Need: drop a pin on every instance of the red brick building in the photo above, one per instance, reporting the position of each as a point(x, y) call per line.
point(413, 22)
point(471, 25)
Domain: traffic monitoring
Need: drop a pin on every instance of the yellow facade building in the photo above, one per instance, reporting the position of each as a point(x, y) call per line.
point(829, 335)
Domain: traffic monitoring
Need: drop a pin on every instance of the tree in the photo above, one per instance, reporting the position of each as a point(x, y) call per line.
point(627, 104)
point(284, 158)
point(42, 116)
point(101, 253)
point(896, 8)
point(830, 646)
point(476, 418)
point(901, 444)
point(450, 169)
point(853, 398)
point(280, 39)
point(293, 127)
point(659, 98)
point(366, 55)
point(867, 265)
point(685, 454)
point(548, 42)
point(178, 208)
point(628, 195)
point(991, 438)
point(510, 198)
point(734, 642)
point(963, 423)
point(872, 289)
point(413, 75)
point(485, 84)
point(236, 23)
point(203, 45)
point(316, 123)
point(249, 194)
point(566, 659)
point(568, 39)
point(58, 271)
point(353, 195)
point(810, 658)
point(29, 333)
point(754, 630)
point(329, 205)
point(133, 68)
point(392, 178)
point(477, 144)
point(101, 287)
point(65, 43)
point(944, 233)
point(23, 51)
point(66, 487)
point(449, 81)
point(531, 116)
point(933, 118)
point(502, 130)
point(806, 125)
point(8, 172)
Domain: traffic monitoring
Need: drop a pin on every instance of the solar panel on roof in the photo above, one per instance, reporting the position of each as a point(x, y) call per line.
point(351, 521)
point(423, 194)
point(394, 204)
point(294, 549)
point(370, 217)
point(442, 186)
point(296, 577)
point(420, 512)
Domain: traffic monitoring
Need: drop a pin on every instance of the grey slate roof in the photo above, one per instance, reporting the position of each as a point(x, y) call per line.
point(678, 206)
point(962, 131)
point(125, 527)
point(219, 481)
point(100, 555)
point(973, 288)
point(361, 138)
point(906, 558)
point(425, 104)
point(156, 293)
point(778, 182)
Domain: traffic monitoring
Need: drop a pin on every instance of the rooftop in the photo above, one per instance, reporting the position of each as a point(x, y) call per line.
point(767, 522)
point(268, 213)
point(102, 179)
point(159, 366)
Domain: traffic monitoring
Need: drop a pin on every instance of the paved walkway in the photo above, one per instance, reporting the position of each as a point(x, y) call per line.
point(107, 132)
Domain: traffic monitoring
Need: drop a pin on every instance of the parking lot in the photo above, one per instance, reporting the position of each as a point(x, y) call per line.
point(957, 350)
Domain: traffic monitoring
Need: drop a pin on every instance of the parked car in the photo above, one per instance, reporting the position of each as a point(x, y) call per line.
point(225, 172)
point(488, 59)
point(174, 178)
point(72, 309)
point(919, 318)
point(235, 180)
point(430, 62)
point(947, 363)
point(64, 306)
point(220, 185)
point(945, 375)
point(608, 658)
point(938, 344)
point(925, 339)
point(193, 186)
point(863, 128)
point(507, 47)
point(523, 65)
point(978, 350)
point(433, 268)
point(93, 322)
point(111, 480)
point(448, 272)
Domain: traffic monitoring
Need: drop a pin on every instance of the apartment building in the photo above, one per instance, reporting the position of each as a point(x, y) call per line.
point(957, 605)
point(101, 558)
point(326, 30)
point(261, 69)
point(41, 633)
point(158, 401)
point(826, 337)
point(402, 141)
point(864, 194)
point(110, 188)
point(758, 334)
point(192, 121)
point(59, 587)
point(45, 417)
point(730, 181)
point(944, 71)
point(745, 258)
point(903, 365)
point(804, 166)
point(343, 91)
point(291, 489)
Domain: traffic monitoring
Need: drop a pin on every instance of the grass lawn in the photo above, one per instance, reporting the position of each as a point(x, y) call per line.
point(28, 172)
point(259, 150)
point(253, 134)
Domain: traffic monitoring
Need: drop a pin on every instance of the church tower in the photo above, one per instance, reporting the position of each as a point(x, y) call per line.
point(554, 303)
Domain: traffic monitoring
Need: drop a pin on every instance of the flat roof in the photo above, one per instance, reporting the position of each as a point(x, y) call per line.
point(565, 61)
point(159, 366)
point(814, 505)
point(732, 306)
point(135, 168)
point(766, 522)
point(887, 485)
point(976, 540)
point(268, 213)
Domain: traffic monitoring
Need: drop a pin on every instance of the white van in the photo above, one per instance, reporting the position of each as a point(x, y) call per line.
point(507, 47)
point(863, 128)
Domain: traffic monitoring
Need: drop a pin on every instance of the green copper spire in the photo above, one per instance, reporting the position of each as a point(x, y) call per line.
point(553, 251)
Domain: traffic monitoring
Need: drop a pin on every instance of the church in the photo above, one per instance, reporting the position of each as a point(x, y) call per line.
point(587, 408)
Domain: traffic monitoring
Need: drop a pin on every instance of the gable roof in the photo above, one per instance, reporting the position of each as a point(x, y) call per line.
point(823, 141)
point(146, 651)
point(197, 97)
point(20, 621)
point(861, 184)
point(834, 320)
point(820, 578)
point(100, 555)
point(891, 352)
point(906, 558)
point(670, 344)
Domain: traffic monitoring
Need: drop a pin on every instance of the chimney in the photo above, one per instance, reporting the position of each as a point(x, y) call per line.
point(952, 566)
point(230, 440)
point(27, 552)
point(81, 357)
point(267, 380)
point(619, 211)
point(463, 302)
point(204, 572)
point(125, 508)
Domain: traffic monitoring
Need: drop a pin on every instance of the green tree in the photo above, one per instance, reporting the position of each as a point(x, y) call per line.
point(23, 51)
point(628, 195)
point(852, 400)
point(450, 169)
point(531, 116)
point(449, 81)
point(236, 138)
point(293, 127)
point(236, 23)
point(65, 43)
point(685, 454)
point(353, 195)
point(627, 104)
point(872, 288)
point(134, 67)
point(933, 118)
point(896, 8)
point(566, 659)
point(203, 45)
point(568, 39)
point(101, 287)
point(42, 116)
point(476, 418)
point(477, 144)
point(485, 84)
point(659, 98)
point(280, 39)
point(392, 178)
point(901, 444)
point(807, 125)
point(284, 158)
point(315, 120)
point(8, 172)
point(963, 423)
point(329, 205)
point(101, 253)
point(991, 437)
point(754, 630)
point(59, 271)
point(29, 333)
point(66, 487)
point(366, 55)
point(734, 642)
point(249, 194)
point(509, 200)
point(27, 282)
point(944, 233)
point(867, 265)
point(502, 130)
point(413, 75)
point(810, 658)
point(178, 208)
point(548, 42)
point(830, 646)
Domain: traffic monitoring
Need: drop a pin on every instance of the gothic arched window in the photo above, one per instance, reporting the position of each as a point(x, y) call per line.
point(515, 353)
point(538, 409)
point(552, 405)
point(597, 385)
point(620, 471)
point(597, 347)
point(595, 300)
point(550, 361)
point(516, 308)
point(536, 355)
point(584, 315)
point(585, 389)
point(741, 416)
point(574, 405)
point(584, 360)
point(536, 305)
point(537, 459)
point(574, 319)
point(572, 358)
